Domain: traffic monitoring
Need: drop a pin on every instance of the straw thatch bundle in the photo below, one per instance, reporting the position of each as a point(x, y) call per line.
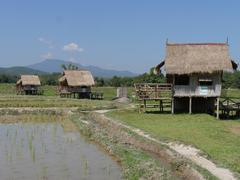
point(29, 80)
point(77, 78)
point(197, 58)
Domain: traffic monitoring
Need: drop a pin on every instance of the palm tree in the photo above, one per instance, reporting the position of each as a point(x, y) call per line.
point(64, 67)
point(70, 66)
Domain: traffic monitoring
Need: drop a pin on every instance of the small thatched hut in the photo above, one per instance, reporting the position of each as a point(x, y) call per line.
point(28, 84)
point(195, 70)
point(76, 82)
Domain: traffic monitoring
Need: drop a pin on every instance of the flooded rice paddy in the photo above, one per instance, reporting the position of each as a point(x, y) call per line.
point(50, 150)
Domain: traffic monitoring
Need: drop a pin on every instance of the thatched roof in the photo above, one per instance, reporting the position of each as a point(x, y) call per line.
point(77, 78)
point(197, 58)
point(29, 80)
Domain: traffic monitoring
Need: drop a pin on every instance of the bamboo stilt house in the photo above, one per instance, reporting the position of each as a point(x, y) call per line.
point(195, 70)
point(76, 82)
point(28, 85)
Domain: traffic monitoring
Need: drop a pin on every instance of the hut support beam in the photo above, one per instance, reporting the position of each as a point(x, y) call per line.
point(218, 108)
point(140, 108)
point(173, 82)
point(172, 105)
point(190, 105)
point(145, 105)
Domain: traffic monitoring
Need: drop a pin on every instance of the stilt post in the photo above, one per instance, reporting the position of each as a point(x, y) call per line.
point(145, 105)
point(218, 108)
point(190, 105)
point(172, 105)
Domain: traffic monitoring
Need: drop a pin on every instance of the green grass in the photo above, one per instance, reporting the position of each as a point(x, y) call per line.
point(231, 93)
point(220, 140)
point(6, 88)
point(50, 90)
point(41, 102)
point(109, 92)
point(10, 89)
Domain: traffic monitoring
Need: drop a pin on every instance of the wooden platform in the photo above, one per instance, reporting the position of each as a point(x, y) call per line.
point(230, 108)
point(91, 95)
point(30, 92)
point(159, 93)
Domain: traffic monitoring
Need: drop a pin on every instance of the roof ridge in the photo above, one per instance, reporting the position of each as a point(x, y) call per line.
point(184, 44)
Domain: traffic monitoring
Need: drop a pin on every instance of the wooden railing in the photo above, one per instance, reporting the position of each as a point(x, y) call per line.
point(153, 91)
point(230, 107)
point(161, 90)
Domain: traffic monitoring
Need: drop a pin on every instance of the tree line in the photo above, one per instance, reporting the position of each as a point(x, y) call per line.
point(230, 80)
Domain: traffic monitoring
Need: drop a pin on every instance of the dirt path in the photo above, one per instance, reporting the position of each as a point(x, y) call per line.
point(186, 151)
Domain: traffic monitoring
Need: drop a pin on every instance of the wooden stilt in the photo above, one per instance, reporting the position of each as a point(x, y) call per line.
point(145, 105)
point(160, 105)
point(218, 108)
point(190, 105)
point(140, 104)
point(172, 105)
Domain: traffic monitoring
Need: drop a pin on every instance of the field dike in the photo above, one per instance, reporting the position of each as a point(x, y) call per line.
point(113, 136)
point(188, 152)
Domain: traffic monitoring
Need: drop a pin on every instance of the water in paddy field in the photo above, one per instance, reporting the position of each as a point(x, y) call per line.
point(49, 151)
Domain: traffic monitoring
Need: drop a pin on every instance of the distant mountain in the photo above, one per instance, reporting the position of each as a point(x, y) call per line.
point(54, 65)
point(18, 70)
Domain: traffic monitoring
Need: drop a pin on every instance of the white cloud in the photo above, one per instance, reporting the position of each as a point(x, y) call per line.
point(45, 41)
point(72, 47)
point(49, 55)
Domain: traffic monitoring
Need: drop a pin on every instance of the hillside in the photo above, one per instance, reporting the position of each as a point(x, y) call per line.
point(18, 70)
point(54, 65)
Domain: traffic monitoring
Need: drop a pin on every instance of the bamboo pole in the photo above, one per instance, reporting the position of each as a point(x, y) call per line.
point(172, 105)
point(190, 105)
point(218, 108)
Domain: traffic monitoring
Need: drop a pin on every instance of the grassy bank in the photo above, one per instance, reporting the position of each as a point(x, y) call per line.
point(231, 93)
point(122, 144)
point(220, 140)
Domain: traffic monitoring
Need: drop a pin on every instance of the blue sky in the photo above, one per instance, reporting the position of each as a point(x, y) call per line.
point(115, 34)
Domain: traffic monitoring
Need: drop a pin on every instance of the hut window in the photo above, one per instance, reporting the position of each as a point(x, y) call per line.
point(182, 80)
point(205, 82)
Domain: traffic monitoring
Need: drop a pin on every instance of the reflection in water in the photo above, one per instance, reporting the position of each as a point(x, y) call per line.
point(46, 151)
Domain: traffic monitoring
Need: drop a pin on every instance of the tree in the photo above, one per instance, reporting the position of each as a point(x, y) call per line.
point(99, 81)
point(70, 66)
point(64, 67)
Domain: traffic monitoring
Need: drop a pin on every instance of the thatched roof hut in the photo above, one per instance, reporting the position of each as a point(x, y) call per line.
point(197, 58)
point(29, 80)
point(76, 78)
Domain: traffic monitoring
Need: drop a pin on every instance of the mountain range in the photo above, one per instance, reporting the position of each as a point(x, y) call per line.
point(54, 65)
point(18, 70)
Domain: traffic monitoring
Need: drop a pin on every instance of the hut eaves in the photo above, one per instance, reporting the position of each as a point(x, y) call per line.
point(77, 78)
point(197, 58)
point(29, 80)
